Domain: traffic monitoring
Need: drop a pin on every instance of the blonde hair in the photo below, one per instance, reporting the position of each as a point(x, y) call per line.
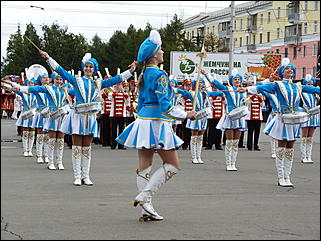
point(140, 82)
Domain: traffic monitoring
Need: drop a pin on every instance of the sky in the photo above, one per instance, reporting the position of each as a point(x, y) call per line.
point(101, 17)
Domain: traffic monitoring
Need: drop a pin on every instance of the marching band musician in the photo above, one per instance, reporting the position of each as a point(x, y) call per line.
point(232, 128)
point(119, 101)
point(254, 117)
point(28, 133)
point(81, 124)
point(288, 94)
point(56, 99)
point(214, 134)
point(188, 105)
point(133, 102)
point(105, 130)
point(308, 128)
point(152, 129)
point(176, 100)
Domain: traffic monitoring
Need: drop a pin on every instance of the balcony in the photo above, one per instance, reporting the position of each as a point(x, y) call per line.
point(294, 17)
point(252, 28)
point(251, 47)
point(224, 34)
point(295, 39)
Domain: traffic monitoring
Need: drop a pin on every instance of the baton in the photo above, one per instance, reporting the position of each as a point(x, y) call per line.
point(33, 43)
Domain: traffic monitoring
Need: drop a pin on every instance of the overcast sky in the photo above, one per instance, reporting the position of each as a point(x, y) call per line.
point(101, 17)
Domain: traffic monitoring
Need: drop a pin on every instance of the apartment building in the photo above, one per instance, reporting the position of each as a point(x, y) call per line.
point(291, 28)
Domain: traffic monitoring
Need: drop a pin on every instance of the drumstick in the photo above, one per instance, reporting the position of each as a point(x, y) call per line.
point(33, 43)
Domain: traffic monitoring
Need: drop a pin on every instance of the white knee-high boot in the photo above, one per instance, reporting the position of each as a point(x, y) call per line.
point(235, 149)
point(85, 164)
point(45, 147)
point(303, 149)
point(273, 146)
point(228, 152)
point(199, 145)
point(193, 145)
point(142, 178)
point(288, 162)
point(160, 176)
point(76, 164)
point(309, 143)
point(25, 137)
point(279, 163)
point(39, 147)
point(31, 139)
point(59, 153)
point(51, 153)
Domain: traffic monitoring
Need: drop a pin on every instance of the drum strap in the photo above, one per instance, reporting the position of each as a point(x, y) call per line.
point(299, 88)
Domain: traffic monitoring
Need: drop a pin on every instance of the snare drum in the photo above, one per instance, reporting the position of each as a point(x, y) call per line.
point(45, 112)
point(315, 110)
point(238, 113)
point(28, 114)
point(298, 117)
point(60, 112)
point(90, 107)
point(204, 113)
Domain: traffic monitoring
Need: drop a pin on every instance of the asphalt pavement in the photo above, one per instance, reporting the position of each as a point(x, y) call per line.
point(200, 202)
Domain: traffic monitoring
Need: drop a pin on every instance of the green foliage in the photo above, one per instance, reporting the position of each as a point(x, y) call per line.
point(68, 49)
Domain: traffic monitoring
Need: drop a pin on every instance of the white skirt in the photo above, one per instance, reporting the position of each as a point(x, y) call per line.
point(38, 121)
point(197, 125)
point(176, 122)
point(52, 125)
point(280, 131)
point(314, 121)
point(149, 134)
point(226, 123)
point(79, 124)
point(25, 123)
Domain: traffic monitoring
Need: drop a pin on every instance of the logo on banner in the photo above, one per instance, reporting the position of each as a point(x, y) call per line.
point(186, 65)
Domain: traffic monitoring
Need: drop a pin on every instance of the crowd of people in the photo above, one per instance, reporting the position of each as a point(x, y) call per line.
point(155, 114)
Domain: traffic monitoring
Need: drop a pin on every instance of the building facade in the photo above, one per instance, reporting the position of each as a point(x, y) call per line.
point(291, 28)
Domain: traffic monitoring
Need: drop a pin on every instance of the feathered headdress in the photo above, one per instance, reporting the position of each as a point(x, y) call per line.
point(234, 74)
point(286, 63)
point(149, 48)
point(309, 79)
point(88, 59)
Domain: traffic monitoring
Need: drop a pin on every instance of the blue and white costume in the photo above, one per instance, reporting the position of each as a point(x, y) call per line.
point(29, 102)
point(176, 99)
point(309, 101)
point(289, 97)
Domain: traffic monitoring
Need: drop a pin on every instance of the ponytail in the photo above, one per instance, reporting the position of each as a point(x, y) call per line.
point(140, 78)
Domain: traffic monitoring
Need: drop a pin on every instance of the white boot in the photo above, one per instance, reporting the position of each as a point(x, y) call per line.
point(235, 149)
point(142, 179)
point(199, 145)
point(288, 161)
point(160, 176)
point(51, 152)
point(31, 140)
point(193, 145)
point(76, 164)
point(279, 163)
point(228, 152)
point(25, 135)
point(45, 148)
point(273, 145)
point(303, 149)
point(39, 147)
point(309, 149)
point(85, 165)
point(59, 153)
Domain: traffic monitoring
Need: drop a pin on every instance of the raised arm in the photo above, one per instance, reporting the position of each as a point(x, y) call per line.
point(311, 89)
point(217, 84)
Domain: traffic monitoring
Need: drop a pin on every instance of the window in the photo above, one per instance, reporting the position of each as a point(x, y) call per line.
point(208, 30)
point(306, 4)
point(315, 26)
point(279, 12)
point(314, 71)
point(247, 40)
point(277, 51)
point(295, 52)
point(304, 71)
point(286, 52)
point(193, 34)
point(305, 28)
point(304, 52)
point(314, 50)
point(316, 5)
point(213, 28)
point(261, 38)
point(240, 41)
point(241, 23)
point(287, 10)
point(268, 36)
point(261, 19)
point(253, 39)
point(269, 17)
point(277, 33)
point(187, 35)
